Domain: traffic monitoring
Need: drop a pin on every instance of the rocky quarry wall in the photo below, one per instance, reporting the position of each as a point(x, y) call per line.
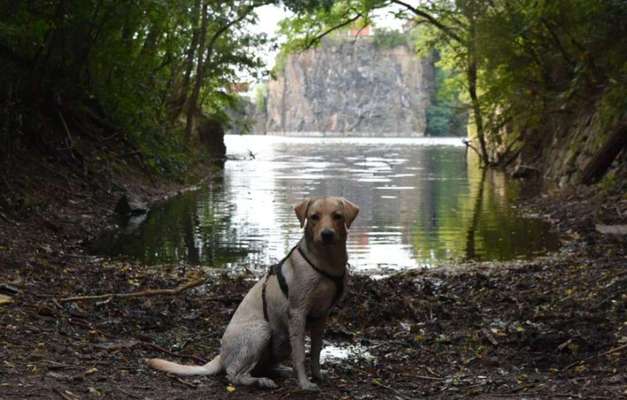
point(351, 88)
point(581, 145)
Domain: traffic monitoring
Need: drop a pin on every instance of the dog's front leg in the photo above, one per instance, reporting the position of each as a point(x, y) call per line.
point(297, 341)
point(317, 328)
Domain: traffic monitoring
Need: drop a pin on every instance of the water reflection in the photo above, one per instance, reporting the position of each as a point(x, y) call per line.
point(422, 201)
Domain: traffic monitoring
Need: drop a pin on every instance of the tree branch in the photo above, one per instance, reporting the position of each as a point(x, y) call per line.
point(432, 20)
point(142, 293)
point(317, 39)
point(605, 156)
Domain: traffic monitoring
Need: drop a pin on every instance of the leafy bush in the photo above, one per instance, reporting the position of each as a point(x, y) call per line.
point(140, 68)
point(389, 38)
point(446, 116)
point(261, 95)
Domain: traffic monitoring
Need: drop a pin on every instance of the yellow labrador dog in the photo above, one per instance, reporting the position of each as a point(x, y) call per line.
point(295, 295)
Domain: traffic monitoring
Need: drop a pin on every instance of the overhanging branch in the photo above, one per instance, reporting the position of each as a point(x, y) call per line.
point(317, 39)
point(431, 20)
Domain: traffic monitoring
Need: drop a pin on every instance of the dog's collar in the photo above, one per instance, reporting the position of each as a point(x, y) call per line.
point(338, 280)
point(277, 269)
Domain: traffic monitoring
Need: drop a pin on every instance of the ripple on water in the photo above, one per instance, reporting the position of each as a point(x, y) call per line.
point(423, 201)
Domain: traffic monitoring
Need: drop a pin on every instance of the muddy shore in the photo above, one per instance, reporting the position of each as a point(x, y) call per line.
point(553, 327)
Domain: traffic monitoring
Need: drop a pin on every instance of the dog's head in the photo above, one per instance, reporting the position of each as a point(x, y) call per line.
point(326, 219)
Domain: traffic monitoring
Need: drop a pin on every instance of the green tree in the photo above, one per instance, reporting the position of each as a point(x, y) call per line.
point(141, 71)
point(523, 62)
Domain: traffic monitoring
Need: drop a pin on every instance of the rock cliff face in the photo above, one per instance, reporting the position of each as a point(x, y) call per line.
point(568, 145)
point(351, 88)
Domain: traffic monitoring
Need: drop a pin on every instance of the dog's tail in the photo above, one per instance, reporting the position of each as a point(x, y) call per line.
point(211, 368)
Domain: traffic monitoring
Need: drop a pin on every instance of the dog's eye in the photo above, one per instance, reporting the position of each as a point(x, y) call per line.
point(338, 216)
point(314, 217)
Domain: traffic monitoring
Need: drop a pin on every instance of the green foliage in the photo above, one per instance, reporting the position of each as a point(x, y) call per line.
point(308, 5)
point(307, 29)
point(609, 183)
point(241, 115)
point(280, 61)
point(124, 63)
point(133, 65)
point(261, 94)
point(446, 116)
point(389, 38)
point(537, 59)
point(521, 62)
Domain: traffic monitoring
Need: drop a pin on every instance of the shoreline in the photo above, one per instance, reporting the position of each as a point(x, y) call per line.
point(548, 327)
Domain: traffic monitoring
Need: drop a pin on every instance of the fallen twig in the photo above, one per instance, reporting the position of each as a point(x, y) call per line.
point(72, 378)
point(182, 381)
point(142, 293)
point(427, 378)
point(614, 350)
point(10, 289)
point(605, 353)
point(432, 372)
point(66, 394)
point(132, 343)
point(391, 389)
point(168, 352)
point(51, 364)
point(488, 335)
point(6, 219)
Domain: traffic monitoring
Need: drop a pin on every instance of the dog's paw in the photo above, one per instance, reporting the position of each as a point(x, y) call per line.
point(309, 386)
point(282, 371)
point(267, 383)
point(320, 376)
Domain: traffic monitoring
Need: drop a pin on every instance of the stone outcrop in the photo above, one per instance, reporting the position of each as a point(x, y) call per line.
point(567, 149)
point(351, 88)
point(244, 118)
point(211, 138)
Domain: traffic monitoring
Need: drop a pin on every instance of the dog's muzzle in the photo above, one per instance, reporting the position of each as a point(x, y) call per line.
point(327, 236)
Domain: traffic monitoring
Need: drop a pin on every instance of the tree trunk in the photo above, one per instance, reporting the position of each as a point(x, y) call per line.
point(191, 104)
point(204, 62)
point(471, 75)
point(189, 58)
point(150, 43)
point(471, 247)
point(602, 160)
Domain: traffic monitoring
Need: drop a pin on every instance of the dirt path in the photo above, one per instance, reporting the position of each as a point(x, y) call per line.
point(554, 327)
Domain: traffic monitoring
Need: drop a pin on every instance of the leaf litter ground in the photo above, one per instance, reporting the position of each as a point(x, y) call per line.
point(552, 327)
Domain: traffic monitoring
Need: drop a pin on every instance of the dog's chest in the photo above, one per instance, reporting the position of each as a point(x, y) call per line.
point(322, 297)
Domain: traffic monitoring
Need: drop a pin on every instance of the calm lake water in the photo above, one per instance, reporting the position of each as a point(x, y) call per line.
point(423, 201)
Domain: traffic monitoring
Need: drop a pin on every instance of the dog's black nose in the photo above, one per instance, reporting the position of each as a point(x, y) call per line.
point(327, 235)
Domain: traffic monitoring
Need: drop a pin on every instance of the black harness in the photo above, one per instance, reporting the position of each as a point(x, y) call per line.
point(277, 269)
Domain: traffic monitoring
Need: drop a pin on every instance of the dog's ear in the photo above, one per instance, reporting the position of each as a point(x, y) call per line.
point(301, 211)
point(351, 212)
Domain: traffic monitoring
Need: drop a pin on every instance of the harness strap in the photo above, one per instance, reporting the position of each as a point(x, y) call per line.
point(277, 269)
point(338, 280)
point(263, 298)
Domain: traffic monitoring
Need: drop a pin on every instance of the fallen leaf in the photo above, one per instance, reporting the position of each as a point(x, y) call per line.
point(4, 299)
point(94, 391)
point(611, 229)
